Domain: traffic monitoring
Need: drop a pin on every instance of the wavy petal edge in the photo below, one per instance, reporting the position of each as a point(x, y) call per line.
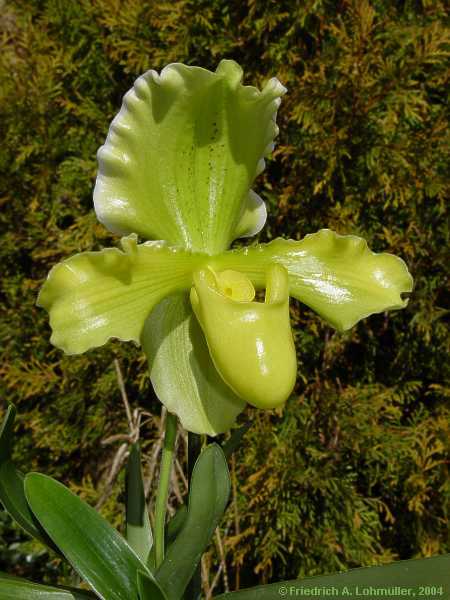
point(338, 276)
point(161, 212)
point(93, 297)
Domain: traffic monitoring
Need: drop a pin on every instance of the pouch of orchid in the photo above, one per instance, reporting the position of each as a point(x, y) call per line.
point(176, 171)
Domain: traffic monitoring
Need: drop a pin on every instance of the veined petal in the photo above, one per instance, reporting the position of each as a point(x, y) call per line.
point(338, 276)
point(94, 296)
point(182, 153)
point(182, 372)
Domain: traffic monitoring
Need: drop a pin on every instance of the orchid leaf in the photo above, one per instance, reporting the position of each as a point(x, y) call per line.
point(95, 550)
point(94, 296)
point(235, 439)
point(208, 498)
point(12, 493)
point(139, 530)
point(387, 581)
point(6, 433)
point(148, 588)
point(182, 372)
point(182, 153)
point(171, 530)
point(21, 589)
point(12, 496)
point(337, 276)
point(176, 524)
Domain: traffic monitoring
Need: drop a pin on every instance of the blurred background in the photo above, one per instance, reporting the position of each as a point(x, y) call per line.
point(354, 471)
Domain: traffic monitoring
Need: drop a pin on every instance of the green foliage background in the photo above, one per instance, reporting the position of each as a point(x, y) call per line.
point(354, 471)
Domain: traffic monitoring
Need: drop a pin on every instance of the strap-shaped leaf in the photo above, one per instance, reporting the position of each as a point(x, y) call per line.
point(12, 493)
point(172, 529)
point(95, 550)
point(139, 530)
point(176, 524)
point(425, 577)
point(338, 276)
point(148, 588)
point(21, 589)
point(94, 296)
point(182, 153)
point(12, 496)
point(208, 497)
point(6, 433)
point(182, 372)
point(235, 439)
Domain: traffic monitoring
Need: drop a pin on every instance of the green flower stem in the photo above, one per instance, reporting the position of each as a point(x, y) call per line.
point(163, 486)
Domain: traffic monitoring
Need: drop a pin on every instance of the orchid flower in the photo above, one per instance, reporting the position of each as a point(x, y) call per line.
point(176, 169)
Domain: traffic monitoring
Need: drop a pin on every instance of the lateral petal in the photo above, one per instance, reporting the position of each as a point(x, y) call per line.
point(337, 276)
point(94, 296)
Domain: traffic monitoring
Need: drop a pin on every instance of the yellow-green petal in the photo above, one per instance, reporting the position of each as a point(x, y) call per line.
point(182, 153)
point(250, 343)
point(182, 372)
point(337, 276)
point(94, 296)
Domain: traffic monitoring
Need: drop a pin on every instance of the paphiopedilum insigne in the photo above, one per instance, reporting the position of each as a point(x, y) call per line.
point(177, 167)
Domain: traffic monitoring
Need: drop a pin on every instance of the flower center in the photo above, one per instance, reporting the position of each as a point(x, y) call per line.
point(235, 286)
point(250, 343)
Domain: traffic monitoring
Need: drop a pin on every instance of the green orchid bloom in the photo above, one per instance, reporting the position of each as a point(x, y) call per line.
point(177, 168)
